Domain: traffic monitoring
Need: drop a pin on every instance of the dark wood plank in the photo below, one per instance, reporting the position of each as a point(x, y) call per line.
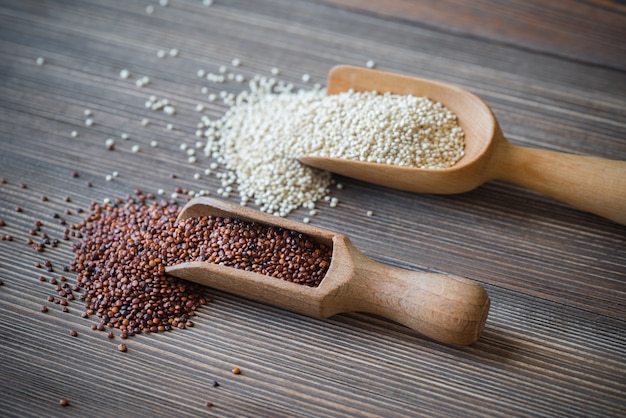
point(555, 342)
point(591, 31)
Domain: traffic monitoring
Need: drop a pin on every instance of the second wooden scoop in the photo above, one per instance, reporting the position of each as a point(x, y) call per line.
point(448, 309)
point(593, 184)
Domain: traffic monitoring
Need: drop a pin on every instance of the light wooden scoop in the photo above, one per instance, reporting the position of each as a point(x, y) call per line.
point(593, 184)
point(449, 309)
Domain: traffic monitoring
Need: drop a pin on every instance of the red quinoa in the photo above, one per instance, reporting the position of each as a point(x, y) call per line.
point(125, 247)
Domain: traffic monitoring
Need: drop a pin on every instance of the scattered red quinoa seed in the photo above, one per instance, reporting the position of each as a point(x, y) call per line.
point(73, 333)
point(44, 309)
point(2, 222)
point(236, 370)
point(64, 402)
point(209, 404)
point(122, 348)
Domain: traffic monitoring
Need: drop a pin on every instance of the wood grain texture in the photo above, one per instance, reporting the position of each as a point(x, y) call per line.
point(555, 340)
point(591, 31)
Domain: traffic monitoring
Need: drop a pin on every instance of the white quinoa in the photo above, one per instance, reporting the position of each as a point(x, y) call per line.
point(267, 128)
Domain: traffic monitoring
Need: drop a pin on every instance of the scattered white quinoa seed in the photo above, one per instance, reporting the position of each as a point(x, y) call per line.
point(40, 61)
point(124, 74)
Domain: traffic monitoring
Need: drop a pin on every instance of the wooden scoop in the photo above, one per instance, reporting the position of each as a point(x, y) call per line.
point(445, 308)
point(592, 184)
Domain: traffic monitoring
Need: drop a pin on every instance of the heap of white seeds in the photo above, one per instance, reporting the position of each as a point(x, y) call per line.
point(267, 128)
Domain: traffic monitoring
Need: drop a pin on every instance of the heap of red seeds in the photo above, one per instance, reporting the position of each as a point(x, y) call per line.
point(125, 247)
point(122, 273)
point(264, 249)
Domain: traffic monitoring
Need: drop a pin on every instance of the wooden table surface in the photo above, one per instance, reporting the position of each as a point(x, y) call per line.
point(555, 342)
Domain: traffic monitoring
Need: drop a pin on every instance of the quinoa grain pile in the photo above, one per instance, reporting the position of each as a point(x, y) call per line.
point(267, 128)
point(264, 249)
point(124, 277)
point(125, 247)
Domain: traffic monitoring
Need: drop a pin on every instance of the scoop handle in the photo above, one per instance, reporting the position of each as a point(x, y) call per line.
point(446, 308)
point(592, 184)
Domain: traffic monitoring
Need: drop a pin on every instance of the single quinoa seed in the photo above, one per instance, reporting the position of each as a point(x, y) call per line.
point(73, 333)
point(64, 402)
point(122, 348)
point(236, 370)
